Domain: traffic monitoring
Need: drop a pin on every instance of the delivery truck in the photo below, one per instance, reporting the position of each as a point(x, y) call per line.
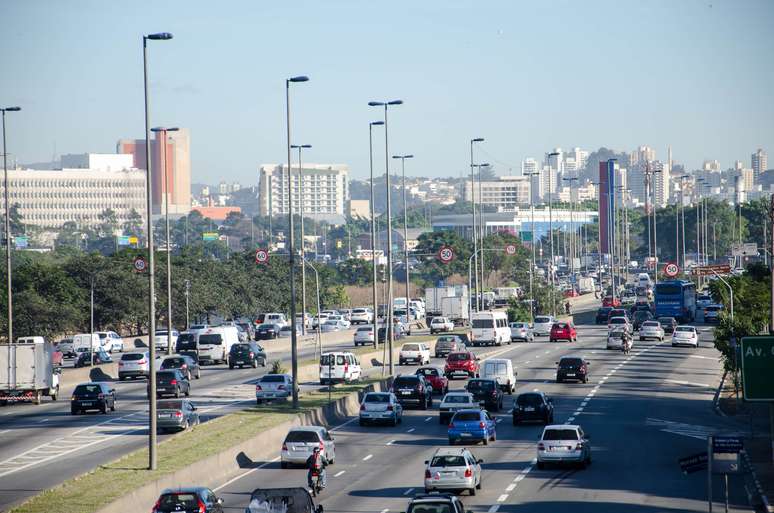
point(27, 371)
point(451, 302)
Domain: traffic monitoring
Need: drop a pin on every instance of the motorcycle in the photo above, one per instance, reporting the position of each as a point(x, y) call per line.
point(317, 485)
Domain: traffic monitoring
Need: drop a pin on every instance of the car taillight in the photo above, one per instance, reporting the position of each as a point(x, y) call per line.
point(202, 507)
point(258, 388)
point(252, 355)
point(427, 474)
point(389, 407)
point(120, 363)
point(322, 446)
point(541, 446)
point(494, 393)
point(184, 366)
point(156, 506)
point(100, 396)
point(178, 414)
point(284, 446)
point(468, 472)
point(451, 425)
point(482, 424)
point(173, 382)
point(579, 446)
point(362, 407)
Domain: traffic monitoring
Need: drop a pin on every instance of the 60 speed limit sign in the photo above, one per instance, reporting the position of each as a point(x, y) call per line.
point(261, 256)
point(671, 270)
point(446, 254)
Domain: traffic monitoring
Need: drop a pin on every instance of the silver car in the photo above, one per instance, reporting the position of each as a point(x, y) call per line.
point(176, 415)
point(453, 469)
point(364, 335)
point(273, 386)
point(542, 325)
point(300, 443)
point(521, 331)
point(563, 443)
point(651, 329)
point(380, 407)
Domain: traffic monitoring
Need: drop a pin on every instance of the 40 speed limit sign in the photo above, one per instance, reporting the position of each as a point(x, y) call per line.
point(445, 254)
point(671, 270)
point(510, 249)
point(261, 256)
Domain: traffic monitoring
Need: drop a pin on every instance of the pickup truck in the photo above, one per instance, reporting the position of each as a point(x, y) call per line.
point(414, 353)
point(440, 324)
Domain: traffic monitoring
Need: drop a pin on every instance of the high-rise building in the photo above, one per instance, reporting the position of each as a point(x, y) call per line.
point(177, 191)
point(556, 161)
point(711, 165)
point(325, 190)
point(759, 162)
point(505, 193)
point(608, 183)
point(528, 166)
point(661, 181)
point(581, 157)
point(641, 155)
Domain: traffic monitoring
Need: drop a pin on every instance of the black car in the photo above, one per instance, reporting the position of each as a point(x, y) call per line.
point(185, 363)
point(639, 317)
point(602, 314)
point(267, 331)
point(533, 406)
point(572, 368)
point(486, 391)
point(195, 498)
point(641, 306)
point(441, 502)
point(412, 388)
point(93, 396)
point(85, 358)
point(668, 323)
point(171, 382)
point(246, 353)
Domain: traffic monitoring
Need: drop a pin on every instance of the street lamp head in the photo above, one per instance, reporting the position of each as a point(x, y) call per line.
point(485, 164)
point(375, 104)
point(300, 78)
point(11, 109)
point(161, 36)
point(164, 129)
point(477, 139)
point(298, 146)
point(375, 123)
point(395, 102)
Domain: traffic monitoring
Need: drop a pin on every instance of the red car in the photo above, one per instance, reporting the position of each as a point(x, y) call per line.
point(610, 301)
point(435, 377)
point(463, 362)
point(563, 331)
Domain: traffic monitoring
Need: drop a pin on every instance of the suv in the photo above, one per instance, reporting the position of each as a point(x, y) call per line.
point(361, 316)
point(486, 391)
point(364, 335)
point(435, 502)
point(448, 344)
point(133, 365)
point(246, 353)
point(171, 382)
point(639, 317)
point(572, 368)
point(414, 353)
point(93, 396)
point(439, 324)
point(413, 388)
point(194, 498)
point(463, 362)
point(668, 323)
point(563, 331)
point(617, 312)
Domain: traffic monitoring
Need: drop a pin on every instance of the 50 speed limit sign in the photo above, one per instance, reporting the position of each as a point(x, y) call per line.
point(445, 254)
point(261, 256)
point(671, 270)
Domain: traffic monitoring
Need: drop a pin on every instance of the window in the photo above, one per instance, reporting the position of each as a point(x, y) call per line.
point(483, 323)
point(214, 340)
point(447, 461)
point(302, 437)
point(466, 416)
point(560, 434)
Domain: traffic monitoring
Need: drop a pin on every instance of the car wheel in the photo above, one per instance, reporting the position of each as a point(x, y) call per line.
point(423, 406)
point(259, 401)
point(198, 373)
point(255, 363)
point(177, 393)
point(394, 421)
point(113, 406)
point(541, 465)
point(231, 367)
point(361, 422)
point(103, 409)
point(283, 464)
point(472, 490)
point(73, 411)
point(480, 484)
point(451, 442)
point(486, 440)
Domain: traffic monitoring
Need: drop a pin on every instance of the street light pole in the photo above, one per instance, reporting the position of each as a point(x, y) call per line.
point(152, 455)
point(291, 248)
point(390, 327)
point(405, 230)
point(682, 209)
point(375, 298)
point(533, 244)
point(551, 233)
point(301, 213)
point(475, 229)
point(187, 293)
point(573, 242)
point(9, 272)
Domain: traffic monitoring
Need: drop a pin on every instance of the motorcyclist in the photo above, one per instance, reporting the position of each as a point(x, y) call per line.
point(316, 464)
point(626, 341)
point(567, 307)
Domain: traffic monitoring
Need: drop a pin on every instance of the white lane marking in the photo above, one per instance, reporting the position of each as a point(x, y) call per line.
point(408, 491)
point(411, 430)
point(688, 383)
point(519, 478)
point(499, 419)
point(527, 362)
point(340, 472)
point(350, 421)
point(384, 511)
point(243, 474)
point(5, 431)
point(41, 421)
point(702, 357)
point(502, 498)
point(601, 381)
point(391, 442)
point(578, 412)
point(510, 487)
point(612, 371)
point(548, 352)
point(570, 420)
point(368, 457)
point(428, 419)
point(526, 470)
point(535, 389)
point(584, 403)
point(493, 509)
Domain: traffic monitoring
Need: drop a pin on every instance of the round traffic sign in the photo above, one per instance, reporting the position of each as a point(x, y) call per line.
point(510, 249)
point(671, 270)
point(445, 254)
point(261, 256)
point(139, 264)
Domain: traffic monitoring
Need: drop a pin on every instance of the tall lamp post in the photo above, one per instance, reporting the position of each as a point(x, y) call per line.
point(166, 197)
point(573, 241)
point(683, 178)
point(299, 147)
point(8, 273)
point(551, 234)
point(152, 456)
point(475, 230)
point(291, 249)
point(371, 126)
point(481, 233)
point(405, 229)
point(533, 244)
point(390, 327)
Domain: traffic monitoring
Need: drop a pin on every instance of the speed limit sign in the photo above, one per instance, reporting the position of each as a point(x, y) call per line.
point(445, 254)
point(671, 270)
point(139, 264)
point(510, 249)
point(261, 256)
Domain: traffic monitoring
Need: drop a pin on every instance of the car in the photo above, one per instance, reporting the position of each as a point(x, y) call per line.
point(343, 322)
point(267, 331)
point(435, 377)
point(668, 323)
point(339, 367)
point(273, 386)
point(133, 365)
point(454, 469)
point(461, 363)
point(615, 337)
point(703, 301)
point(611, 301)
point(286, 330)
point(176, 415)
point(563, 331)
point(542, 325)
point(361, 316)
point(364, 335)
point(603, 314)
point(380, 407)
point(652, 330)
point(111, 341)
point(413, 389)
point(440, 324)
point(628, 298)
point(435, 503)
point(641, 305)
point(618, 312)
point(86, 358)
point(301, 441)
point(183, 362)
point(563, 443)
point(621, 322)
point(414, 353)
point(188, 498)
point(486, 391)
point(500, 370)
point(246, 353)
point(161, 341)
point(319, 319)
point(685, 336)
point(446, 344)
point(65, 346)
point(171, 383)
point(472, 426)
point(93, 396)
point(276, 318)
point(332, 324)
point(639, 317)
point(533, 406)
point(521, 331)
point(282, 500)
point(574, 368)
point(712, 313)
point(304, 320)
point(454, 401)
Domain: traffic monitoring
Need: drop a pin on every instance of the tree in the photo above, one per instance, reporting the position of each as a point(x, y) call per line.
point(431, 269)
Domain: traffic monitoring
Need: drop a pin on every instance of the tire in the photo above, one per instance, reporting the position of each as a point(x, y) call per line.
point(486, 440)
point(263, 362)
point(540, 465)
point(472, 490)
point(188, 392)
point(423, 406)
point(394, 422)
point(255, 363)
point(177, 393)
point(259, 401)
point(440, 420)
point(198, 373)
point(103, 410)
point(494, 436)
point(113, 406)
point(361, 422)
point(283, 464)
point(480, 484)
point(231, 367)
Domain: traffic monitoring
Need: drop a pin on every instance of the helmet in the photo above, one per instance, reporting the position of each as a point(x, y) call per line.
point(316, 450)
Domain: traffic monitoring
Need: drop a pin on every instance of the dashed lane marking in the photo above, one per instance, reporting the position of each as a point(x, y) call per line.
point(391, 442)
point(519, 478)
point(510, 487)
point(428, 419)
point(408, 491)
point(340, 472)
point(368, 457)
point(688, 383)
point(493, 509)
point(410, 430)
point(502, 498)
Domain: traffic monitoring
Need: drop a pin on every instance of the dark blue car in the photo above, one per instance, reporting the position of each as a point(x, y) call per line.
point(472, 426)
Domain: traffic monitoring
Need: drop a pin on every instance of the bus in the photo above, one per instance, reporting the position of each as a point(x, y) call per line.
point(676, 298)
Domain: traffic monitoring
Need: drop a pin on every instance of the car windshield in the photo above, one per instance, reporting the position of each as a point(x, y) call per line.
point(240, 348)
point(432, 507)
point(458, 357)
point(449, 460)
point(529, 400)
point(178, 502)
point(365, 329)
point(476, 385)
point(129, 357)
point(650, 324)
point(560, 326)
point(302, 437)
point(411, 347)
point(483, 323)
point(428, 372)
point(542, 320)
point(87, 390)
point(377, 398)
point(618, 320)
point(273, 378)
point(712, 309)
point(570, 362)
point(684, 329)
point(560, 434)
point(405, 381)
point(666, 320)
point(173, 362)
point(465, 416)
point(456, 399)
point(328, 359)
point(170, 405)
point(668, 289)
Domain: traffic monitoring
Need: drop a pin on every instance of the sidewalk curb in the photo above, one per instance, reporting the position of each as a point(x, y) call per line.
point(716, 398)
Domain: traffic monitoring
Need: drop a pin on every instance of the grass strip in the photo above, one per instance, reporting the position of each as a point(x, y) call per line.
point(92, 491)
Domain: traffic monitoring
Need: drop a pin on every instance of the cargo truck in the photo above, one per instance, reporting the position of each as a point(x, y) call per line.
point(27, 371)
point(451, 302)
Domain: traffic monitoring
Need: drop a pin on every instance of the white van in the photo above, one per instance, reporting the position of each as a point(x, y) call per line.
point(275, 318)
point(86, 342)
point(643, 280)
point(215, 343)
point(500, 369)
point(339, 368)
point(490, 328)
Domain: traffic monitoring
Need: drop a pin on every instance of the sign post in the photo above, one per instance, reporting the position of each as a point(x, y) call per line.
point(510, 249)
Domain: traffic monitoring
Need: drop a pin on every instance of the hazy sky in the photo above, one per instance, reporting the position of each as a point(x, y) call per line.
point(527, 76)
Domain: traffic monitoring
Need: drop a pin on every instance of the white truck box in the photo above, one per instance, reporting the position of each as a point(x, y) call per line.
point(27, 371)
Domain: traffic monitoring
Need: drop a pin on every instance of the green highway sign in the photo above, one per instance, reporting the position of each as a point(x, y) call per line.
point(209, 236)
point(525, 236)
point(757, 364)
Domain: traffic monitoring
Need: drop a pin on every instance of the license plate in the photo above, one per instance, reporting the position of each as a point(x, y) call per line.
point(240, 362)
point(87, 404)
point(165, 416)
point(465, 434)
point(529, 409)
point(572, 374)
point(405, 392)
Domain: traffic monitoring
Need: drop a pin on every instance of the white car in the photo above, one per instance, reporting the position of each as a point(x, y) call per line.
point(703, 301)
point(454, 401)
point(275, 318)
point(414, 353)
point(685, 336)
point(614, 340)
point(380, 407)
point(453, 469)
point(334, 325)
point(161, 340)
point(319, 319)
point(111, 341)
point(343, 322)
point(364, 335)
point(619, 322)
point(440, 324)
point(563, 443)
point(300, 442)
point(361, 316)
point(651, 329)
point(542, 325)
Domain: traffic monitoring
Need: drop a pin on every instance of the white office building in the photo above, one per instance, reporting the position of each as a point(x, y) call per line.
point(505, 193)
point(325, 190)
